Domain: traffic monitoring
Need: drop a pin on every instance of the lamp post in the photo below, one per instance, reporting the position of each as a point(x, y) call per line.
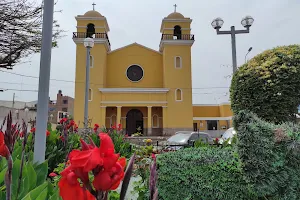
point(88, 44)
point(26, 110)
point(250, 49)
point(44, 81)
point(246, 22)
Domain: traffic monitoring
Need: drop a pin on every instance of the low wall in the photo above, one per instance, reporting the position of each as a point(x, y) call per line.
point(140, 140)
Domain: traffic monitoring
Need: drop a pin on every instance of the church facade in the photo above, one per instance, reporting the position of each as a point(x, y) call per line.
point(141, 88)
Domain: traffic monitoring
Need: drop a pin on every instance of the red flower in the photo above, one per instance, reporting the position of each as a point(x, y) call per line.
point(109, 179)
point(52, 174)
point(153, 156)
point(62, 138)
point(21, 134)
point(217, 140)
point(114, 127)
point(119, 127)
point(96, 126)
point(91, 156)
point(32, 130)
point(47, 133)
point(3, 148)
point(70, 189)
point(63, 120)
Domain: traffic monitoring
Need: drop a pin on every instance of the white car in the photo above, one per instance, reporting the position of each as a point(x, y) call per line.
point(229, 134)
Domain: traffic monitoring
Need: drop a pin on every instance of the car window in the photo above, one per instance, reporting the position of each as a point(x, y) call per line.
point(180, 138)
point(228, 134)
point(194, 137)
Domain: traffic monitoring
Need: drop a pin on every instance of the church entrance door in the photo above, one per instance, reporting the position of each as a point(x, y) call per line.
point(134, 122)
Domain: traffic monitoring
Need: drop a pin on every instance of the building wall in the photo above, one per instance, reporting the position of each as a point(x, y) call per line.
point(22, 115)
point(118, 61)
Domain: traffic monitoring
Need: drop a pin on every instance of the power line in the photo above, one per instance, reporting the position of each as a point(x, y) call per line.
point(121, 86)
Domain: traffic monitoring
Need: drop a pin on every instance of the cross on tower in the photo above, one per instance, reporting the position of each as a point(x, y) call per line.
point(93, 6)
point(175, 6)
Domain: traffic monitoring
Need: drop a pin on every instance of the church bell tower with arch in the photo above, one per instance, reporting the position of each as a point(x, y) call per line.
point(175, 45)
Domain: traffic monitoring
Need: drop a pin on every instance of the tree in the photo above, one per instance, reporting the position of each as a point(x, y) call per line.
point(21, 31)
point(269, 85)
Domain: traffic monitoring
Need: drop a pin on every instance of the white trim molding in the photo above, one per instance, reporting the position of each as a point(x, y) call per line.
point(212, 118)
point(181, 95)
point(175, 42)
point(157, 121)
point(134, 90)
point(96, 41)
point(134, 102)
point(175, 62)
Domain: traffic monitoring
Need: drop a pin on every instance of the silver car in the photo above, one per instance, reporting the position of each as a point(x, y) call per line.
point(184, 139)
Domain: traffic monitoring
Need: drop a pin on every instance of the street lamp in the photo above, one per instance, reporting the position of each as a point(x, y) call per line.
point(246, 22)
point(26, 110)
point(88, 44)
point(250, 49)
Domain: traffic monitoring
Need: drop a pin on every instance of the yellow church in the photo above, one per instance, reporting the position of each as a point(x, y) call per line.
point(139, 87)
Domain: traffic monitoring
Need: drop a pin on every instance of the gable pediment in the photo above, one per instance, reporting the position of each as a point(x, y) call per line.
point(134, 45)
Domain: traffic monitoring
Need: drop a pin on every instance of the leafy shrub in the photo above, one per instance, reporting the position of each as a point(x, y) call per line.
point(270, 155)
point(268, 85)
point(202, 173)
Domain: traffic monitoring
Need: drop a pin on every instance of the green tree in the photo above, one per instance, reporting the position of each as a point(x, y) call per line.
point(21, 31)
point(269, 85)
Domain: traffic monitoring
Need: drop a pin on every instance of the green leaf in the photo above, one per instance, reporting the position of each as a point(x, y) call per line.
point(41, 172)
point(2, 176)
point(15, 176)
point(38, 193)
point(55, 195)
point(32, 177)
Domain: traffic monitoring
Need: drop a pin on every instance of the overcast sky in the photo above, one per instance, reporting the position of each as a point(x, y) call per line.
point(276, 23)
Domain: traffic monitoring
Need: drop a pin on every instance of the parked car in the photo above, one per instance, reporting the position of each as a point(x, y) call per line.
point(184, 139)
point(229, 134)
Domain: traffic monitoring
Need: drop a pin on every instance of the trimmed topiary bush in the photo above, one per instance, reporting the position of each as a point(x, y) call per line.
point(270, 155)
point(201, 173)
point(269, 85)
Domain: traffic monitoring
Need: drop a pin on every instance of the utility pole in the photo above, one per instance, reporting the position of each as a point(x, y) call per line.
point(44, 80)
point(14, 95)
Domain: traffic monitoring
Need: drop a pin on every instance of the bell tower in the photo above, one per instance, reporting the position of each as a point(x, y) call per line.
point(175, 45)
point(94, 25)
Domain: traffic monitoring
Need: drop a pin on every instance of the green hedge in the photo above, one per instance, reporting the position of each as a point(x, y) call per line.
point(203, 174)
point(270, 155)
point(268, 85)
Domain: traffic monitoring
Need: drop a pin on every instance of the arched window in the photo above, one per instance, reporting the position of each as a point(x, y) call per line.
point(113, 120)
point(177, 32)
point(178, 62)
point(178, 95)
point(155, 121)
point(91, 61)
point(90, 94)
point(90, 30)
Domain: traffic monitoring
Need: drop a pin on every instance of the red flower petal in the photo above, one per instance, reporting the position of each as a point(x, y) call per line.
point(88, 160)
point(106, 143)
point(102, 181)
point(52, 174)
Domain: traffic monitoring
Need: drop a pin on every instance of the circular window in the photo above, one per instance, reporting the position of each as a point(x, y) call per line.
point(135, 73)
